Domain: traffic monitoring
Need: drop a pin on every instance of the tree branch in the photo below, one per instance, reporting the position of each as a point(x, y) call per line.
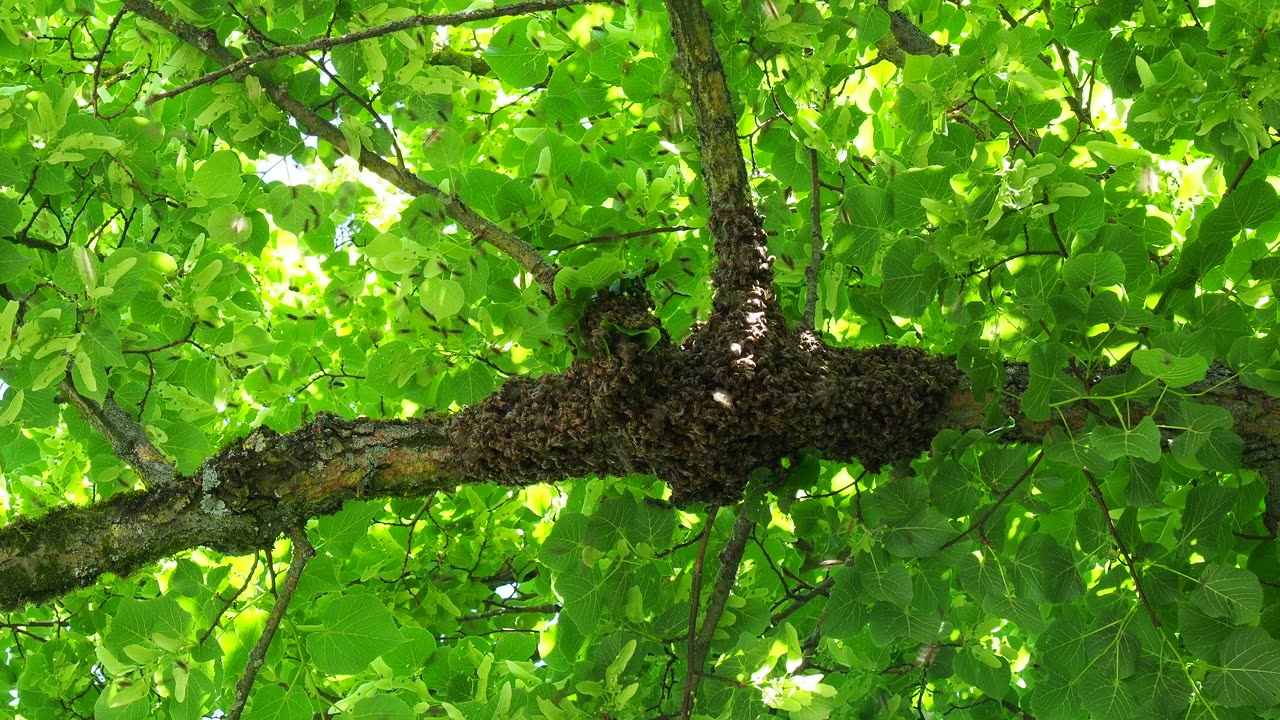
point(377, 31)
point(302, 552)
point(996, 505)
point(742, 274)
point(695, 596)
point(812, 271)
point(730, 561)
point(127, 438)
point(525, 254)
point(240, 500)
point(1124, 551)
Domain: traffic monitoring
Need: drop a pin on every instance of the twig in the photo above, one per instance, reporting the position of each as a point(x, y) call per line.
point(174, 343)
point(1053, 230)
point(377, 31)
point(549, 609)
point(815, 259)
point(627, 235)
point(262, 37)
point(248, 578)
point(302, 552)
point(999, 501)
point(102, 55)
point(127, 438)
point(1124, 551)
point(821, 588)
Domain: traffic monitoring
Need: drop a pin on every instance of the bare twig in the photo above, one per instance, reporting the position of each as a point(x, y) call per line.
point(996, 505)
point(320, 65)
point(102, 54)
point(1124, 551)
point(549, 609)
point(248, 578)
point(627, 235)
point(302, 552)
point(821, 588)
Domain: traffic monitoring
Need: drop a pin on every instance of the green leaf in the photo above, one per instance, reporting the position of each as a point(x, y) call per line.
point(891, 582)
point(1046, 363)
point(218, 176)
point(1141, 442)
point(1173, 370)
point(12, 261)
point(514, 58)
point(442, 298)
point(1250, 670)
point(984, 670)
point(910, 278)
point(920, 535)
point(357, 628)
point(382, 707)
point(862, 225)
point(844, 614)
point(594, 275)
point(187, 444)
point(272, 702)
point(1229, 592)
point(1094, 270)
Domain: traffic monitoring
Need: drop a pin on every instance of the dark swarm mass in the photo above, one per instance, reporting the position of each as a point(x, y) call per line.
point(742, 392)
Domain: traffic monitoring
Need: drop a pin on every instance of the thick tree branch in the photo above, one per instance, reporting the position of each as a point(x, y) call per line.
point(127, 438)
point(742, 274)
point(658, 413)
point(521, 251)
point(240, 500)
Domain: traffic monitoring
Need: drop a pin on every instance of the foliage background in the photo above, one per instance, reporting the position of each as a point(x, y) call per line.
point(1083, 188)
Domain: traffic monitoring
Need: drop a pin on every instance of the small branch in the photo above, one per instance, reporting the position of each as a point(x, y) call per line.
point(730, 561)
point(723, 167)
point(999, 501)
point(815, 259)
point(549, 609)
point(973, 92)
point(525, 254)
point(1191, 8)
point(1053, 230)
point(1244, 168)
point(821, 588)
point(686, 704)
point(127, 438)
point(174, 343)
point(627, 235)
point(1124, 551)
point(1015, 256)
point(248, 578)
point(366, 105)
point(302, 552)
point(102, 55)
point(377, 31)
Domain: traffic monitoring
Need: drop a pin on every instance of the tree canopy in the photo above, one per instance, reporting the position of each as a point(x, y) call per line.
point(586, 359)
